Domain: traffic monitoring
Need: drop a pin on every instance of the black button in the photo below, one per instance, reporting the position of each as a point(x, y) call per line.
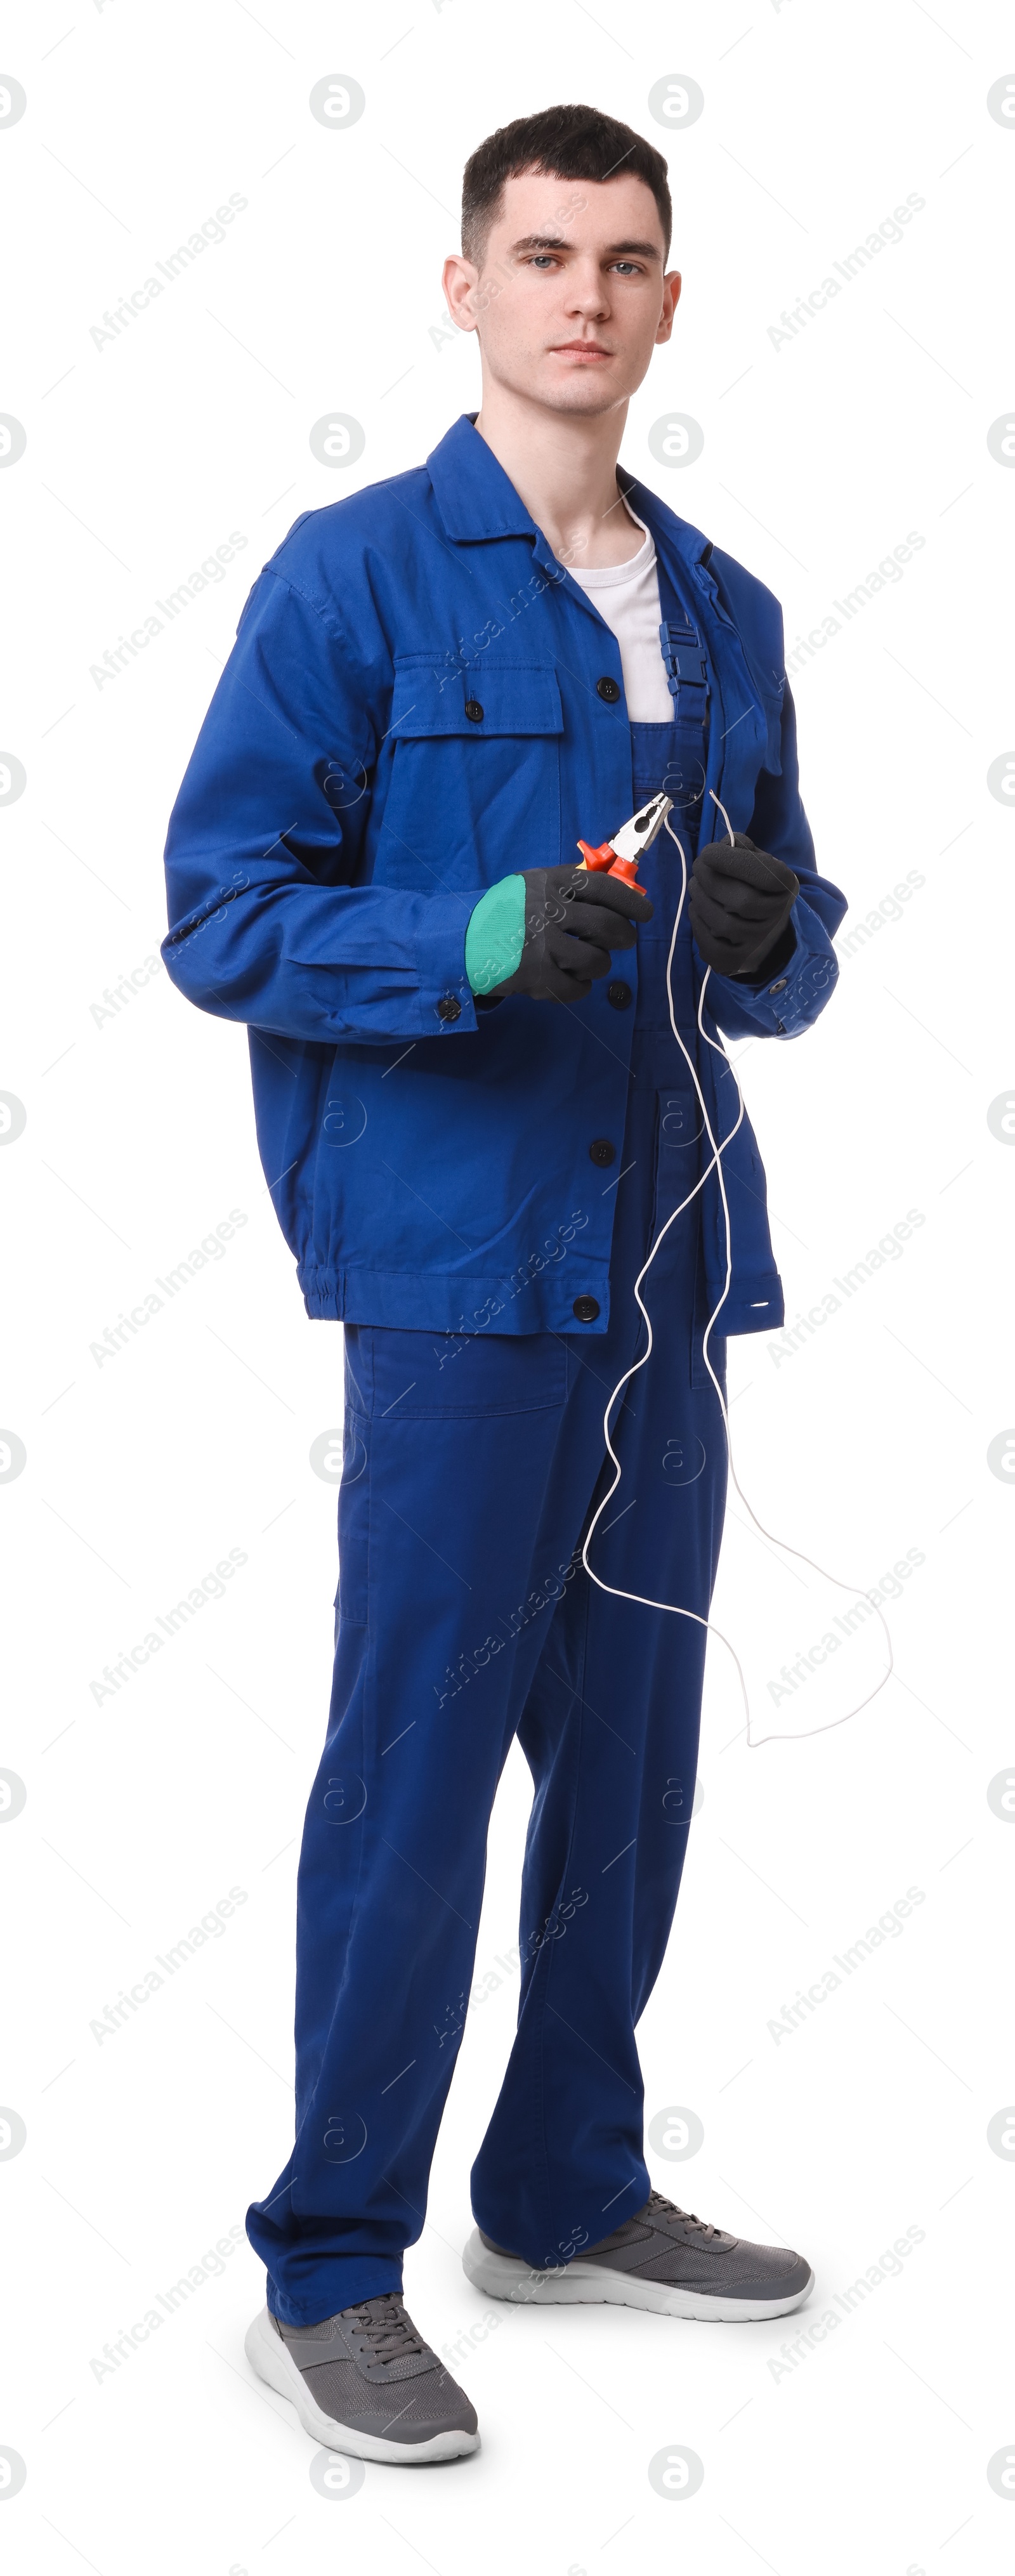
point(448, 1008)
point(586, 1309)
point(601, 1150)
point(610, 691)
point(619, 995)
point(473, 710)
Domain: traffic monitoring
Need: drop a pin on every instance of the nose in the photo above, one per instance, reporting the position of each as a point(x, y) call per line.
point(587, 290)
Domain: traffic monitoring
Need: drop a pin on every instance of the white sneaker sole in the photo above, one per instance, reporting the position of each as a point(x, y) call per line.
point(267, 2354)
point(500, 2276)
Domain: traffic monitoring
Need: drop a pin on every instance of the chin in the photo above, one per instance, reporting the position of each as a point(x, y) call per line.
point(583, 393)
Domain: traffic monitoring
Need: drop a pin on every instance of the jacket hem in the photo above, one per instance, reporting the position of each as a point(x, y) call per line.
point(431, 1303)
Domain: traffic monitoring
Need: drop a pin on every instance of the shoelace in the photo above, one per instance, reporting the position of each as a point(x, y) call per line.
point(392, 2337)
point(659, 2205)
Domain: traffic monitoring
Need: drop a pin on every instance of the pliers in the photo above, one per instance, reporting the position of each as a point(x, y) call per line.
point(619, 856)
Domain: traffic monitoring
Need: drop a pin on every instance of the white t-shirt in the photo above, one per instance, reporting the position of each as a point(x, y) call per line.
point(627, 598)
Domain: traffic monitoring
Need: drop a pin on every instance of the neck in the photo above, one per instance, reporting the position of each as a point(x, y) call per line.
point(564, 467)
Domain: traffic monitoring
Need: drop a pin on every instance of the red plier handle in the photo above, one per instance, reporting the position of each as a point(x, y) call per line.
point(605, 860)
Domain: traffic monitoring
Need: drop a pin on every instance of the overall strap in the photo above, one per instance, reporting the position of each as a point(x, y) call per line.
point(686, 668)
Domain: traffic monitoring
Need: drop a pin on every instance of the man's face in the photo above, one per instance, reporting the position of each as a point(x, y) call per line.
point(572, 297)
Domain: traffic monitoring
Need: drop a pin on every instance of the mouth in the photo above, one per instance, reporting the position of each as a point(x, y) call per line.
point(580, 349)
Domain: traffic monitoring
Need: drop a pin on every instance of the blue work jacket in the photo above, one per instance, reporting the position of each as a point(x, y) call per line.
point(420, 701)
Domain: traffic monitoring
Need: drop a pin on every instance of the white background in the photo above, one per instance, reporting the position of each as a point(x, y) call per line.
point(870, 1439)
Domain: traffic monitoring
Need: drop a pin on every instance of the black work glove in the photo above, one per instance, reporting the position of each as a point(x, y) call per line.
point(740, 904)
point(573, 918)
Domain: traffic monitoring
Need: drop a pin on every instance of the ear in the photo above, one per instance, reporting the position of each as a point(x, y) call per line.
point(672, 284)
point(460, 279)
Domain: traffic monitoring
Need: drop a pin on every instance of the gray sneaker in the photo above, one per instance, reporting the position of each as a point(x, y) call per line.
point(364, 2381)
point(664, 2259)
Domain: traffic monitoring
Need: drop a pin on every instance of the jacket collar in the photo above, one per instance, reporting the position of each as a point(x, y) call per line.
point(476, 499)
point(473, 494)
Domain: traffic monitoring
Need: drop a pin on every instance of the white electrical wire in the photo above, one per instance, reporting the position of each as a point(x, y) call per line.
point(856, 1591)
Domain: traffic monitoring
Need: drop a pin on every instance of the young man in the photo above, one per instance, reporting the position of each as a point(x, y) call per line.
point(475, 1119)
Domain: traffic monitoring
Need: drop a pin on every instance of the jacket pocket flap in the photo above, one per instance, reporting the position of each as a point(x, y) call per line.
point(506, 697)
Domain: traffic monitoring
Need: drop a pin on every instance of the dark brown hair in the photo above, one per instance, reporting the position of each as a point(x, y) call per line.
point(565, 143)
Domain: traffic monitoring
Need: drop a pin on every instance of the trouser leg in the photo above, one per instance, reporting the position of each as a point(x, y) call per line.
point(610, 1730)
point(459, 1510)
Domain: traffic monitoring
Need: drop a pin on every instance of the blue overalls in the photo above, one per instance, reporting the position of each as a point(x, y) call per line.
point(472, 1467)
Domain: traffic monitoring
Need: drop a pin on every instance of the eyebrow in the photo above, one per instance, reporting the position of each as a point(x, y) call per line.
point(614, 250)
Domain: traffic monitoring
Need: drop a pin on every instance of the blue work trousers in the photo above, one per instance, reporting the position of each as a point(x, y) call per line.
point(472, 1467)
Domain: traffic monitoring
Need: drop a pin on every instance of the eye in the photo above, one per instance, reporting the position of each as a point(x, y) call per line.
point(628, 268)
point(542, 259)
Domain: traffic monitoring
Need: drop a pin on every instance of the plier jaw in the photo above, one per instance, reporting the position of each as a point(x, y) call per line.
point(619, 856)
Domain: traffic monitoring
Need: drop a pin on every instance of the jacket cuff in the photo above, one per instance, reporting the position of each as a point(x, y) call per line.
point(783, 1003)
point(444, 1000)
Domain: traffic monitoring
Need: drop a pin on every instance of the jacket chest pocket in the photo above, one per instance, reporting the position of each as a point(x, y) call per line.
point(474, 791)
